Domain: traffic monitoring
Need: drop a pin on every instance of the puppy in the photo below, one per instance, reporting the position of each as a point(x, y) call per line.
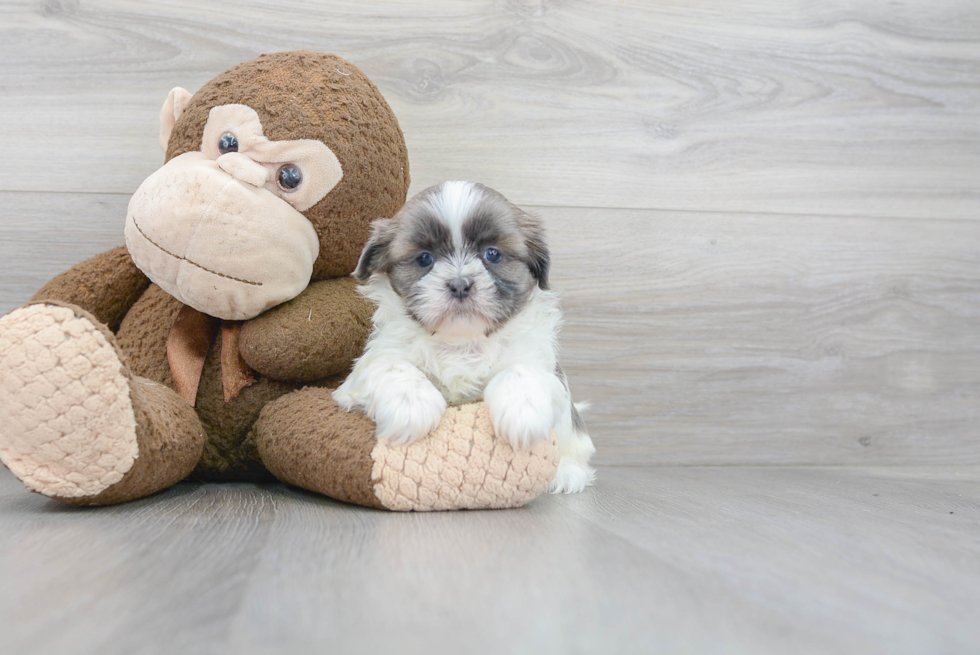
point(460, 280)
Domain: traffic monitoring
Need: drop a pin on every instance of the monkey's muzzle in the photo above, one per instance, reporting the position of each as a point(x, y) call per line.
point(223, 246)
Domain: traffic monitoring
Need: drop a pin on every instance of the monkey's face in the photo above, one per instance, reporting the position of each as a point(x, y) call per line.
point(222, 229)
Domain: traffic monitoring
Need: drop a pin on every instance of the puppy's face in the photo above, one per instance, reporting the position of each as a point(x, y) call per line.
point(462, 258)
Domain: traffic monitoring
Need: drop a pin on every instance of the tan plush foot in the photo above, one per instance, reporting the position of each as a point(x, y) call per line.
point(67, 426)
point(306, 439)
point(461, 465)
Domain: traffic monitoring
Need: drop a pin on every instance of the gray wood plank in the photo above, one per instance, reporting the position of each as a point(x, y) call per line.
point(43, 234)
point(887, 556)
point(759, 339)
point(820, 108)
point(670, 560)
point(708, 338)
point(791, 314)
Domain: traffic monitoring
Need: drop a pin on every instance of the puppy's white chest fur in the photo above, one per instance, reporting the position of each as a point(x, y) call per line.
point(461, 372)
point(459, 360)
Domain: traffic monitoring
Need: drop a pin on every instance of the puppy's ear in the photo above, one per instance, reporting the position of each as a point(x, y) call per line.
point(538, 256)
point(374, 257)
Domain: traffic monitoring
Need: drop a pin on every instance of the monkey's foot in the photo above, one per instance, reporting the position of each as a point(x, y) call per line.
point(305, 438)
point(67, 425)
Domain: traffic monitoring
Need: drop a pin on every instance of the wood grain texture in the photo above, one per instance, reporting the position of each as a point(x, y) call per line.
point(764, 225)
point(815, 107)
point(44, 234)
point(668, 560)
point(754, 339)
point(709, 339)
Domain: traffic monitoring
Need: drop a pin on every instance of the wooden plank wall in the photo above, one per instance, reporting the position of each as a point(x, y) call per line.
point(764, 215)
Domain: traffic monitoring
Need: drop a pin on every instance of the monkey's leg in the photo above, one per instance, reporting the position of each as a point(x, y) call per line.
point(306, 439)
point(106, 286)
point(75, 424)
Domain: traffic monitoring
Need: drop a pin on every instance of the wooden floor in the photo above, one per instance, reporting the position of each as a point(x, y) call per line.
point(651, 560)
point(765, 220)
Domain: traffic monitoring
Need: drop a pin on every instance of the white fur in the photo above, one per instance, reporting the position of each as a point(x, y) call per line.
point(438, 304)
point(453, 203)
point(406, 376)
point(525, 404)
point(409, 372)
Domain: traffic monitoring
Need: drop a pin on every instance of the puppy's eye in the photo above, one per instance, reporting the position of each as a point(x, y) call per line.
point(424, 260)
point(227, 142)
point(289, 177)
point(492, 255)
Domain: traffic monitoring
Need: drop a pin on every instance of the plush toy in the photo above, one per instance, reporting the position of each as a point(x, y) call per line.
point(208, 346)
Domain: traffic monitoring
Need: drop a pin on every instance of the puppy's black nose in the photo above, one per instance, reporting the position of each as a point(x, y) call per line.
point(460, 287)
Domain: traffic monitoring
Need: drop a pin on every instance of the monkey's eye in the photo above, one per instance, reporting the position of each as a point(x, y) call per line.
point(492, 255)
point(424, 260)
point(227, 143)
point(289, 177)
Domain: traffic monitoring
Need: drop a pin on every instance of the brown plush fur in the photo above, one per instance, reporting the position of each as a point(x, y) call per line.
point(168, 432)
point(317, 334)
point(143, 333)
point(285, 343)
point(143, 338)
point(106, 285)
point(309, 340)
point(305, 439)
point(170, 440)
point(336, 104)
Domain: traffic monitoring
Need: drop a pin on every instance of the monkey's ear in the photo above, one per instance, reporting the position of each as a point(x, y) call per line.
point(172, 108)
point(374, 257)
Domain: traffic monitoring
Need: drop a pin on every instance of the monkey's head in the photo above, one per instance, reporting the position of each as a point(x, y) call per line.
point(275, 170)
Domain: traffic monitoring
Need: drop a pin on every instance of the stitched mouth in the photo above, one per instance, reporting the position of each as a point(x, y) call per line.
point(191, 262)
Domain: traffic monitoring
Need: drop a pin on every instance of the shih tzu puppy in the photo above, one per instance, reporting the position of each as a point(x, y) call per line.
point(460, 280)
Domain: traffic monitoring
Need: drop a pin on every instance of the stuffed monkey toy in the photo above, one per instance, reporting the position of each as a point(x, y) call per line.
point(208, 346)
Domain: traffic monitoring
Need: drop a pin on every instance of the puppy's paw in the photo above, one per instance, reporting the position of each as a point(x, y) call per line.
point(521, 407)
point(406, 412)
point(572, 477)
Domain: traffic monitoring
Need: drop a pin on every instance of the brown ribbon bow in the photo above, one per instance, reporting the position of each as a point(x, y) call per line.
point(187, 348)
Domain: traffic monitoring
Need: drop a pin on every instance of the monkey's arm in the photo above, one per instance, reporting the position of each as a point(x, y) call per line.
point(106, 286)
point(315, 335)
